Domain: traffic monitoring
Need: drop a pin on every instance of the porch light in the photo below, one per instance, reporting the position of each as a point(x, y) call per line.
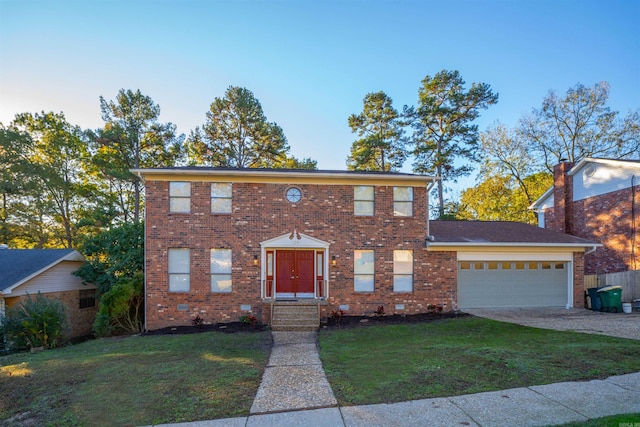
point(255, 260)
point(333, 260)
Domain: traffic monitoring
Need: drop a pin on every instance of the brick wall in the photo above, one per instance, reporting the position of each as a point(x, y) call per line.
point(79, 321)
point(261, 212)
point(606, 219)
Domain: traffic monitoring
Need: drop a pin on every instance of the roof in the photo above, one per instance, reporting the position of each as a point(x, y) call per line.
point(499, 233)
point(279, 175)
point(19, 265)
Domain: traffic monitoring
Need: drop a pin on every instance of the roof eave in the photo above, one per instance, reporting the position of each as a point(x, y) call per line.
point(277, 173)
point(514, 244)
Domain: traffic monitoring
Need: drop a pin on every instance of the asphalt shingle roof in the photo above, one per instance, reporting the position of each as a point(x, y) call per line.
point(17, 264)
point(498, 232)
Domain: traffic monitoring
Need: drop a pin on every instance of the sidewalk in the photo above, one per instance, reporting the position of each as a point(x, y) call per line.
point(295, 392)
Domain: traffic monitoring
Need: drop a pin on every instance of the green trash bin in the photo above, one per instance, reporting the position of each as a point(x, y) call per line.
point(611, 298)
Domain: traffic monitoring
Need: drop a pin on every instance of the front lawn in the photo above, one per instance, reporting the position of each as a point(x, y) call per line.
point(393, 363)
point(134, 380)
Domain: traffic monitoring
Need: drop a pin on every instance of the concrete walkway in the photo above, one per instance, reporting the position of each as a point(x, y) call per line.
point(295, 392)
point(294, 378)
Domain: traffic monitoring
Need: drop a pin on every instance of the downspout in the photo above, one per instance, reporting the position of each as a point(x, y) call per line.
point(428, 237)
point(144, 264)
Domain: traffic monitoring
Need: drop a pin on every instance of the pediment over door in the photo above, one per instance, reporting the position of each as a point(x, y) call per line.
point(294, 240)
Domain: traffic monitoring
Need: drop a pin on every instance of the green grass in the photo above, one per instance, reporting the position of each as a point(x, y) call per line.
point(625, 420)
point(134, 380)
point(393, 363)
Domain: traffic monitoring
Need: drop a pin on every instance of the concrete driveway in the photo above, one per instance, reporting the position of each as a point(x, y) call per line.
point(573, 319)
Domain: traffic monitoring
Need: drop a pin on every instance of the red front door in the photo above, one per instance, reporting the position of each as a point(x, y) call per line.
point(294, 272)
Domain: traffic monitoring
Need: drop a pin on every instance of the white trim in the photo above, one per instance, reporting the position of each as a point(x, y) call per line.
point(514, 245)
point(608, 162)
point(505, 256)
point(293, 240)
point(280, 174)
point(71, 256)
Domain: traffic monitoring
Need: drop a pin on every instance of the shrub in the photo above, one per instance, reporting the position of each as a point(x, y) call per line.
point(249, 320)
point(35, 322)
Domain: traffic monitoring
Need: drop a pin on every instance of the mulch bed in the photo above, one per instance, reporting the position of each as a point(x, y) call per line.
point(364, 321)
point(343, 322)
point(229, 328)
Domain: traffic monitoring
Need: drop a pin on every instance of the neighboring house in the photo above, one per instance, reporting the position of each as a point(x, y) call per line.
point(222, 243)
point(48, 271)
point(598, 200)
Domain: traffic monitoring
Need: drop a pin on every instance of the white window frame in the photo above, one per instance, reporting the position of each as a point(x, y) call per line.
point(226, 208)
point(400, 202)
point(364, 269)
point(180, 274)
point(363, 206)
point(402, 271)
point(175, 195)
point(221, 270)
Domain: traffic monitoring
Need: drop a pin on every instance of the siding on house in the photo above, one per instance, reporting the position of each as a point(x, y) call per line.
point(58, 278)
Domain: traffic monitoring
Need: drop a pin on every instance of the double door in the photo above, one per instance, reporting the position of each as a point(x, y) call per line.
point(295, 273)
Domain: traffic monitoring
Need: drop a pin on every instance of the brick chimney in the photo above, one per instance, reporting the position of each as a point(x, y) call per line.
point(563, 197)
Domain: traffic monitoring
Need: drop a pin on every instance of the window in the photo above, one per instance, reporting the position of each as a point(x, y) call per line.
point(87, 298)
point(221, 194)
point(220, 270)
point(402, 271)
point(363, 200)
point(179, 270)
point(180, 197)
point(363, 271)
point(465, 265)
point(402, 201)
point(293, 195)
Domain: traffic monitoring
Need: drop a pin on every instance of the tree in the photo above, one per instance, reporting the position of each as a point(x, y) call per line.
point(133, 138)
point(381, 146)
point(580, 125)
point(58, 191)
point(237, 134)
point(506, 154)
point(115, 264)
point(14, 145)
point(502, 198)
point(294, 163)
point(443, 129)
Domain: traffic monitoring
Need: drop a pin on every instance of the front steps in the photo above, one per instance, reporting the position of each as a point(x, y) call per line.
point(295, 316)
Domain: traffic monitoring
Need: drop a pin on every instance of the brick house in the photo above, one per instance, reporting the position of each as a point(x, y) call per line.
point(598, 200)
point(48, 271)
point(224, 243)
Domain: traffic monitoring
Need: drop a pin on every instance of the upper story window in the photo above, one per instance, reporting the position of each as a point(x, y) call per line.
point(294, 195)
point(402, 201)
point(180, 197)
point(363, 197)
point(221, 196)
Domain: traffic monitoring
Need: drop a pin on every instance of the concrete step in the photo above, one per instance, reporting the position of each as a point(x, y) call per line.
point(293, 317)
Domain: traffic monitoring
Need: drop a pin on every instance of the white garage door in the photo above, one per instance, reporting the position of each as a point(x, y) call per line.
point(494, 284)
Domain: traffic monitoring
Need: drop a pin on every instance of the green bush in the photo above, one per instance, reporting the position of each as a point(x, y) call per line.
point(35, 322)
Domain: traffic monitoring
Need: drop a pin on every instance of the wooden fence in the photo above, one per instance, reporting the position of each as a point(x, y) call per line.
point(629, 280)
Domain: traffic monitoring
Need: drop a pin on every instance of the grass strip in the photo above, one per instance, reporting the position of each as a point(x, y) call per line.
point(134, 380)
point(393, 363)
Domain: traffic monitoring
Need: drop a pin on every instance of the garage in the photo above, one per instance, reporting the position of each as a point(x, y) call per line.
point(496, 284)
point(503, 264)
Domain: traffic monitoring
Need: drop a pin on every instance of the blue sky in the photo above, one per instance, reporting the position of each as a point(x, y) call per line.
point(310, 63)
